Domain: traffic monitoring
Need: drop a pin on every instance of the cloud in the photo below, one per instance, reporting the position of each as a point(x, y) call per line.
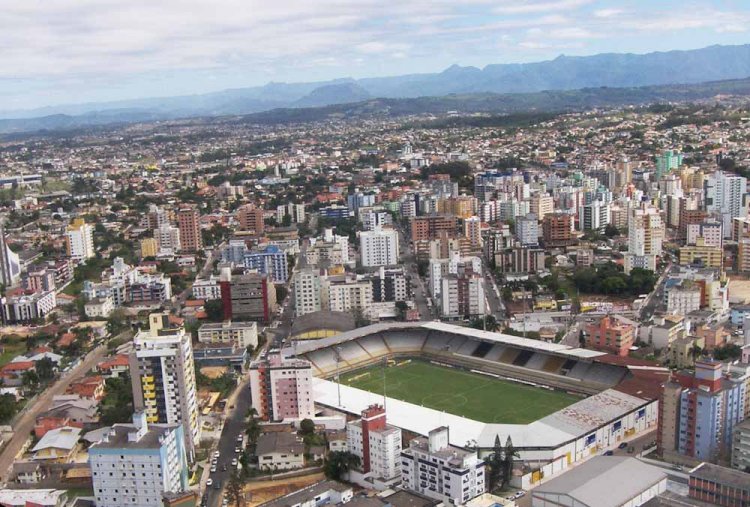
point(533, 7)
point(607, 13)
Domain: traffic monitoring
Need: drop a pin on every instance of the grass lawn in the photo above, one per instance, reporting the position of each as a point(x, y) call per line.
point(11, 350)
point(77, 492)
point(460, 392)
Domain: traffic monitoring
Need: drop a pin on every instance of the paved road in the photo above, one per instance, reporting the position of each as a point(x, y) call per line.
point(179, 300)
point(25, 424)
point(233, 426)
point(418, 288)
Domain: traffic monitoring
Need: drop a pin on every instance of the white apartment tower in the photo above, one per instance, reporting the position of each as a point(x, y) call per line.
point(725, 195)
point(307, 292)
point(433, 468)
point(645, 235)
point(163, 374)
point(79, 240)
point(168, 238)
point(379, 247)
point(135, 464)
point(376, 443)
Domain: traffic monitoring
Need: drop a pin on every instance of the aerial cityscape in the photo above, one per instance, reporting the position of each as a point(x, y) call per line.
point(514, 280)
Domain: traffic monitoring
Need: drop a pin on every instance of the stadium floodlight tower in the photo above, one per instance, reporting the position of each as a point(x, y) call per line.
point(337, 350)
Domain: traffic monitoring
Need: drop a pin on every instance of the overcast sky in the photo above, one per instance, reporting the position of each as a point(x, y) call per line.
point(73, 51)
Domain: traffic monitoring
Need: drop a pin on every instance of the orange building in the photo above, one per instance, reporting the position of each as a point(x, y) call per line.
point(611, 334)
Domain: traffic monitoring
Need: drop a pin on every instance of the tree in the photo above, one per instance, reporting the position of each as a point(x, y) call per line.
point(488, 323)
point(45, 368)
point(338, 464)
point(306, 427)
point(8, 407)
point(611, 231)
point(234, 490)
point(117, 404)
point(252, 429)
point(214, 310)
point(509, 453)
point(30, 380)
point(495, 464)
point(401, 308)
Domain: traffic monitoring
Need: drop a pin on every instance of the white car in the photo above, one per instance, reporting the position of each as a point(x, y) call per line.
point(217, 454)
point(519, 494)
point(209, 482)
point(213, 468)
point(239, 437)
point(234, 462)
point(237, 450)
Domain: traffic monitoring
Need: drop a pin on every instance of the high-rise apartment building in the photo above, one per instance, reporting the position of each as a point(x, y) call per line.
point(307, 292)
point(699, 411)
point(473, 232)
point(666, 161)
point(168, 238)
point(376, 443)
point(433, 468)
point(79, 240)
point(250, 296)
point(430, 227)
point(136, 464)
point(594, 216)
point(379, 247)
point(345, 294)
point(645, 235)
point(251, 219)
point(10, 263)
point(527, 230)
point(462, 296)
point(188, 221)
point(724, 195)
point(163, 376)
point(557, 230)
point(281, 388)
point(541, 205)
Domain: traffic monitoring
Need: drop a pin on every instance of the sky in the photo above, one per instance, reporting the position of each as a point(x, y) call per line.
point(75, 51)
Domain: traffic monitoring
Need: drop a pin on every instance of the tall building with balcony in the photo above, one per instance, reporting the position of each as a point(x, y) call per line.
point(699, 413)
point(557, 230)
point(307, 292)
point(433, 468)
point(188, 222)
point(251, 219)
point(135, 465)
point(645, 235)
point(250, 296)
point(79, 240)
point(281, 388)
point(376, 443)
point(379, 247)
point(163, 376)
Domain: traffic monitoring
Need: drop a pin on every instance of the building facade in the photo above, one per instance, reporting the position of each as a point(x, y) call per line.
point(281, 388)
point(137, 464)
point(188, 222)
point(379, 247)
point(163, 376)
point(376, 443)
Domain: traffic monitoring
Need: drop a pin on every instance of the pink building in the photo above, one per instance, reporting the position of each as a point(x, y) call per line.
point(282, 388)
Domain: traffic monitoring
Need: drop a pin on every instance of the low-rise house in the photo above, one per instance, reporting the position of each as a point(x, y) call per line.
point(317, 495)
point(280, 451)
point(57, 446)
point(28, 472)
point(45, 423)
point(115, 366)
point(33, 497)
point(88, 387)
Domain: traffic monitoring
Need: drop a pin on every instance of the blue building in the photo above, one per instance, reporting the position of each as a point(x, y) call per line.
point(335, 212)
point(270, 261)
point(155, 452)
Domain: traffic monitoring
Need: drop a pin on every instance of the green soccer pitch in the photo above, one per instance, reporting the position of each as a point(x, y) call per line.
point(459, 392)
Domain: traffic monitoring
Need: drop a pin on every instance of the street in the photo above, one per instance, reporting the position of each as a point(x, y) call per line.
point(234, 425)
point(23, 427)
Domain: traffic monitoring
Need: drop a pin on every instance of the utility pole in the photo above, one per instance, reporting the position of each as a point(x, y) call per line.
point(338, 373)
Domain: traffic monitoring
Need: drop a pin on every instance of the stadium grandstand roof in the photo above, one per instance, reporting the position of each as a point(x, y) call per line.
point(572, 422)
point(516, 341)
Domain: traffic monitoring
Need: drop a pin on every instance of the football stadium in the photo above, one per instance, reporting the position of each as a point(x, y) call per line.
point(557, 403)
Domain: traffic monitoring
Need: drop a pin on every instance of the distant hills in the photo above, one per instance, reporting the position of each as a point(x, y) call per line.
point(521, 81)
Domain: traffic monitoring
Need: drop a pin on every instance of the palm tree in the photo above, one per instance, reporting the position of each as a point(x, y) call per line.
point(234, 489)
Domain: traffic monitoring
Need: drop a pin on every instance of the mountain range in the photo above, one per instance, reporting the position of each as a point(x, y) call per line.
point(564, 73)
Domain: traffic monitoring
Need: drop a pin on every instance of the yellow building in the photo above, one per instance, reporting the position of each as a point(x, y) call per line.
point(711, 256)
point(683, 351)
point(149, 247)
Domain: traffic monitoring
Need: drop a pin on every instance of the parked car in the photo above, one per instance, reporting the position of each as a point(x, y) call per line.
point(209, 482)
point(623, 445)
point(608, 453)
